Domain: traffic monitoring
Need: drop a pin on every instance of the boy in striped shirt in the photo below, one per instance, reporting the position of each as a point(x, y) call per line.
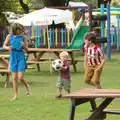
point(94, 60)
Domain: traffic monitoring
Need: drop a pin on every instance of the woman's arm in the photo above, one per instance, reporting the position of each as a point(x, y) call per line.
point(25, 43)
point(5, 44)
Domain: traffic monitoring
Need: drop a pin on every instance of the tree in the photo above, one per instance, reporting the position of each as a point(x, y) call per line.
point(115, 3)
point(6, 5)
point(24, 6)
point(103, 2)
point(3, 21)
point(94, 2)
point(41, 3)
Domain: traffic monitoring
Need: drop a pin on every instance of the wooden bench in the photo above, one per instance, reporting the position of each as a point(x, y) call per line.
point(4, 56)
point(112, 111)
point(46, 60)
point(29, 62)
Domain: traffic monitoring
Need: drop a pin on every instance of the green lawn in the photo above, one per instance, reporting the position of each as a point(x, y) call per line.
point(42, 105)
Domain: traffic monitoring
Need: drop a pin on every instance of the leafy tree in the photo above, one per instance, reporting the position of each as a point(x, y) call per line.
point(3, 21)
point(24, 6)
point(94, 2)
point(115, 3)
point(9, 5)
point(42, 3)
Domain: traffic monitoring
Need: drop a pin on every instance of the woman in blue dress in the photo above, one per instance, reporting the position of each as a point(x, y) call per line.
point(16, 43)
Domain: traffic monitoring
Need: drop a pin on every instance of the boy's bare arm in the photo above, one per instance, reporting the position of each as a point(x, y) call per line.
point(85, 60)
point(103, 61)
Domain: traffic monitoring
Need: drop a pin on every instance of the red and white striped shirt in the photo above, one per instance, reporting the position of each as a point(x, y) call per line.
point(94, 55)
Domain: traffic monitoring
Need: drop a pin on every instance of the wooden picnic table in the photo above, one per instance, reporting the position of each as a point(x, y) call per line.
point(42, 51)
point(4, 68)
point(89, 95)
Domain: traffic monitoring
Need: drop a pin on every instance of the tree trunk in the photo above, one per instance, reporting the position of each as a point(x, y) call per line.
point(55, 2)
point(24, 6)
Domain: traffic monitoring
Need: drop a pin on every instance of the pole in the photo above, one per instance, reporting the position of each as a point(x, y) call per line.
point(102, 25)
point(108, 33)
point(48, 39)
point(90, 17)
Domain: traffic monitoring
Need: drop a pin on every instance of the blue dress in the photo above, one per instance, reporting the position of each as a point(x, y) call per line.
point(17, 56)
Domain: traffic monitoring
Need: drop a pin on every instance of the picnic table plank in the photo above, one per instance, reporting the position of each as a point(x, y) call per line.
point(50, 49)
point(112, 111)
point(94, 93)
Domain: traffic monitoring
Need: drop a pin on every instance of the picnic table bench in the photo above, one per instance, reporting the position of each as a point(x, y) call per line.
point(4, 68)
point(89, 95)
point(41, 51)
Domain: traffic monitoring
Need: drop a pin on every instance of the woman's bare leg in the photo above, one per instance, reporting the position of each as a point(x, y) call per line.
point(15, 84)
point(21, 78)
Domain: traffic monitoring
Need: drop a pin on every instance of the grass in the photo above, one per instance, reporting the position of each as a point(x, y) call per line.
point(42, 105)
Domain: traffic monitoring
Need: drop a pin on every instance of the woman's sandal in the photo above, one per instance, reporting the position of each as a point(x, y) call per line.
point(14, 98)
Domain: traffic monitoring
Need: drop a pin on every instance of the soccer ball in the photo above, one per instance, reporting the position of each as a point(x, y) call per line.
point(57, 64)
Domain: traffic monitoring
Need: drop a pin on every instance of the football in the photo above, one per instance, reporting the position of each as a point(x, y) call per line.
point(57, 64)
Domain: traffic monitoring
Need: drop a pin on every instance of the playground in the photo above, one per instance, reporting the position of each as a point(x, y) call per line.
point(45, 44)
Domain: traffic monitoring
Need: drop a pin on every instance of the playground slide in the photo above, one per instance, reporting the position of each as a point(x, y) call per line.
point(78, 36)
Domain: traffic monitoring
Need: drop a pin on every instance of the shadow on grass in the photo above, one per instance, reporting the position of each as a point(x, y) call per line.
point(2, 84)
point(47, 73)
point(31, 83)
point(40, 83)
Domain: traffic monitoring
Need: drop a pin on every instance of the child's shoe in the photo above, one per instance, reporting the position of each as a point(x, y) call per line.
point(98, 87)
point(59, 96)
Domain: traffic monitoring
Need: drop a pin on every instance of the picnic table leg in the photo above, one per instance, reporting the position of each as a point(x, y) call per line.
point(4, 63)
point(7, 79)
point(39, 55)
point(57, 54)
point(72, 109)
point(93, 105)
point(74, 103)
point(98, 114)
point(38, 66)
point(73, 61)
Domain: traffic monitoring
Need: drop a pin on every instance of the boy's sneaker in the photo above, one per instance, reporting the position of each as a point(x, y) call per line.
point(98, 87)
point(59, 96)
